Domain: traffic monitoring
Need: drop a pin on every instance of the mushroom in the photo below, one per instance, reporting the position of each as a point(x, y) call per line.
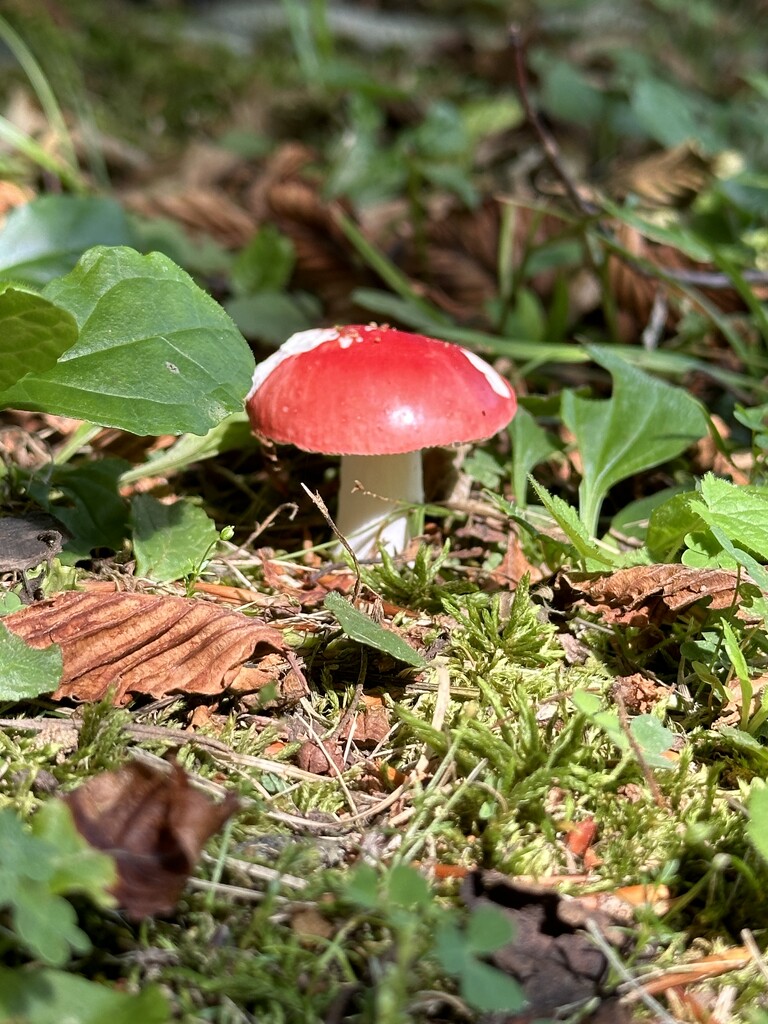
point(377, 397)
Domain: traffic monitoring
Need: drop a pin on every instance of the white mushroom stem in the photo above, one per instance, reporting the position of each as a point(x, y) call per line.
point(364, 518)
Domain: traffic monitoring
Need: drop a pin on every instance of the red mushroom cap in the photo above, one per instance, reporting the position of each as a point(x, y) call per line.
point(376, 391)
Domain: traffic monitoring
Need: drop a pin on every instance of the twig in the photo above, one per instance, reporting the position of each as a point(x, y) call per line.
point(610, 954)
point(551, 150)
point(318, 501)
point(659, 798)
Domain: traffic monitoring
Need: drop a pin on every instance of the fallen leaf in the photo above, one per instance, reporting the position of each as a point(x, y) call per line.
point(325, 760)
point(142, 644)
point(369, 725)
point(647, 594)
point(154, 824)
point(551, 956)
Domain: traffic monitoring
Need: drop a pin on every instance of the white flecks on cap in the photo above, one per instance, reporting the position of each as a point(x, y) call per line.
point(304, 341)
point(495, 380)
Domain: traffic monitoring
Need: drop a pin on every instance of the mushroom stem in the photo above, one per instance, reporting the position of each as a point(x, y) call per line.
point(364, 518)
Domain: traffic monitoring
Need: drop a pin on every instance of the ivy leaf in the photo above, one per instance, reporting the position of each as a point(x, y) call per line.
point(156, 355)
point(358, 626)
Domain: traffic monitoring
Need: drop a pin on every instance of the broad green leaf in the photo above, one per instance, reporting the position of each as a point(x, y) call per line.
point(273, 316)
point(672, 115)
point(170, 541)
point(156, 355)
point(407, 887)
point(46, 996)
point(91, 508)
point(531, 444)
point(33, 334)
point(645, 422)
point(362, 886)
point(358, 626)
point(45, 238)
point(757, 829)
point(47, 924)
point(653, 738)
point(24, 671)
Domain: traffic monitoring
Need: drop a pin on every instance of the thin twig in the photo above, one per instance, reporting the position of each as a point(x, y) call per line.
point(616, 963)
point(318, 501)
point(551, 150)
point(659, 798)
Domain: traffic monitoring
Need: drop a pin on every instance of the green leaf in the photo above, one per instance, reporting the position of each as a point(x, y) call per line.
point(362, 886)
point(44, 922)
point(364, 630)
point(265, 264)
point(757, 829)
point(488, 929)
point(90, 505)
point(33, 334)
point(273, 316)
point(75, 866)
point(45, 238)
point(644, 423)
point(156, 355)
point(740, 512)
point(670, 523)
point(407, 887)
point(672, 115)
point(45, 996)
point(653, 738)
point(24, 671)
point(488, 989)
point(170, 541)
point(531, 444)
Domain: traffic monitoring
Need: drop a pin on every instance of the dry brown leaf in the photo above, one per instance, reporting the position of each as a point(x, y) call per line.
point(142, 644)
point(369, 725)
point(647, 594)
point(671, 177)
point(202, 211)
point(154, 824)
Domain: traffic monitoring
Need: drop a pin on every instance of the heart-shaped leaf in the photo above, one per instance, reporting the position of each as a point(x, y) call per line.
point(156, 355)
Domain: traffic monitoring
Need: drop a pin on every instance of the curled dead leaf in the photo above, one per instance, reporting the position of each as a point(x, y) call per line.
point(154, 824)
point(142, 644)
point(647, 594)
